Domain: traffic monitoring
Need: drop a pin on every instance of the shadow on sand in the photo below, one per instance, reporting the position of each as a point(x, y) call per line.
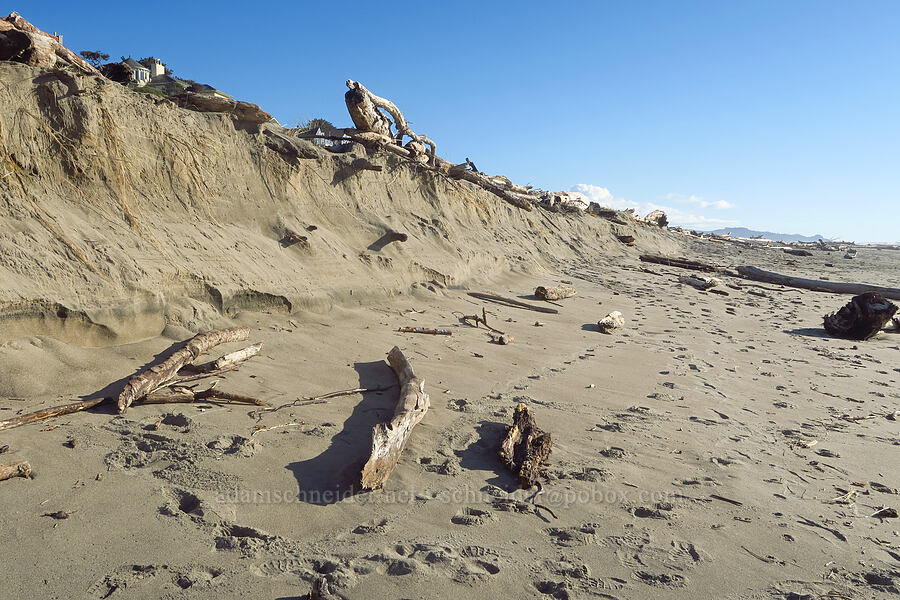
point(333, 475)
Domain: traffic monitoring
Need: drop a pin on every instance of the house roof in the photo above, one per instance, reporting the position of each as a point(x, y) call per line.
point(134, 64)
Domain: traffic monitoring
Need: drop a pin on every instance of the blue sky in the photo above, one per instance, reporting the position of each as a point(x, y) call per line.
point(782, 116)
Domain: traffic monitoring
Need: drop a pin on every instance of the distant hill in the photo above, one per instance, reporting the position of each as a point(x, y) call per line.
point(769, 235)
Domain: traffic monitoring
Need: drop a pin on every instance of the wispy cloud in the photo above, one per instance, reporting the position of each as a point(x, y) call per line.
point(698, 201)
point(677, 216)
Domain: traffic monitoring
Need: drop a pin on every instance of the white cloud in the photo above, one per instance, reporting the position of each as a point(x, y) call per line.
point(698, 201)
point(677, 216)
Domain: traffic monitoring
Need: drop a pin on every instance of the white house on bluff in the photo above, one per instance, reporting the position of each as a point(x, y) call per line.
point(142, 74)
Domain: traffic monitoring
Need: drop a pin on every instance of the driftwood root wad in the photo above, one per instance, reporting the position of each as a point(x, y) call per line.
point(559, 292)
point(388, 439)
point(157, 376)
point(861, 318)
point(526, 447)
point(16, 469)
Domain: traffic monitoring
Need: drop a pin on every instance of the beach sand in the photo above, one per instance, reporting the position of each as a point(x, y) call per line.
point(683, 462)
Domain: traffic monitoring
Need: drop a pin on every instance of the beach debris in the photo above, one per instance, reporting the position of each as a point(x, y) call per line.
point(538, 324)
point(512, 302)
point(47, 413)
point(21, 41)
point(816, 285)
point(525, 448)
point(559, 292)
point(71, 443)
point(4, 448)
point(389, 438)
point(861, 318)
point(292, 237)
point(482, 320)
point(59, 515)
point(728, 500)
point(658, 218)
point(682, 263)
point(232, 358)
point(885, 513)
point(797, 252)
point(428, 330)
point(847, 498)
point(321, 590)
point(613, 320)
point(503, 340)
point(626, 239)
point(15, 469)
point(162, 374)
point(322, 399)
point(241, 111)
point(186, 396)
point(701, 283)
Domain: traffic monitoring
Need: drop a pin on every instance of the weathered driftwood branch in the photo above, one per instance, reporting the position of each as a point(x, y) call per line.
point(513, 302)
point(363, 104)
point(16, 469)
point(388, 439)
point(21, 41)
point(525, 448)
point(817, 285)
point(47, 413)
point(159, 375)
point(500, 187)
point(238, 356)
point(559, 292)
point(428, 330)
point(701, 283)
point(482, 320)
point(187, 396)
point(863, 317)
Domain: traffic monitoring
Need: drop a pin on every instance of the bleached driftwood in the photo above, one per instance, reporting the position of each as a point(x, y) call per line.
point(21, 41)
point(242, 111)
point(388, 439)
point(701, 283)
point(817, 285)
point(363, 107)
point(186, 396)
point(613, 320)
point(47, 413)
point(159, 375)
point(525, 448)
point(235, 357)
point(559, 292)
point(16, 469)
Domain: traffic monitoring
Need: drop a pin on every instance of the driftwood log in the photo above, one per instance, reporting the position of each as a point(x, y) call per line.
point(159, 375)
point(242, 111)
point(559, 292)
point(16, 469)
point(614, 320)
point(525, 448)
point(701, 283)
point(861, 318)
point(428, 330)
point(817, 285)
point(388, 439)
point(682, 263)
point(21, 41)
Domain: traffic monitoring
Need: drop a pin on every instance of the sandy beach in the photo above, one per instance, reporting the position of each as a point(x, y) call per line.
point(716, 446)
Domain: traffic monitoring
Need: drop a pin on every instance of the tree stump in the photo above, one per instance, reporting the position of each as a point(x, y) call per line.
point(526, 447)
point(861, 318)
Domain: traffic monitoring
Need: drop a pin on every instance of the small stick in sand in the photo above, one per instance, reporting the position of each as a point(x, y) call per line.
point(16, 469)
point(427, 330)
point(47, 413)
point(513, 302)
point(257, 414)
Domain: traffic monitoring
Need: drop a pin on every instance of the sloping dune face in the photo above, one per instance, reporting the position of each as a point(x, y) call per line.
point(119, 212)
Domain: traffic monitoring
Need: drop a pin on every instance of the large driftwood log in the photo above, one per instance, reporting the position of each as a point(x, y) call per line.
point(388, 439)
point(157, 376)
point(21, 41)
point(817, 285)
point(863, 317)
point(682, 263)
point(513, 302)
point(559, 292)
point(526, 447)
point(16, 469)
point(242, 111)
point(500, 187)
